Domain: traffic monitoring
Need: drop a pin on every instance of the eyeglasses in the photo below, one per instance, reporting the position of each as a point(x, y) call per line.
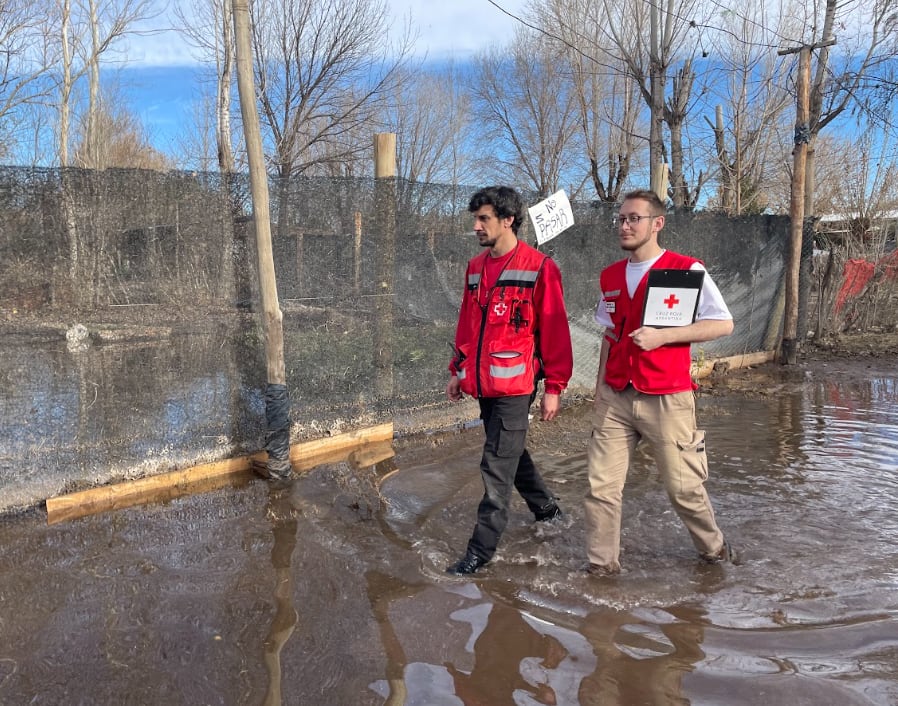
point(631, 218)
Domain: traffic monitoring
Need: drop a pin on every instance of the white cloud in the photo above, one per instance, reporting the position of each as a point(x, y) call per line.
point(166, 48)
point(457, 28)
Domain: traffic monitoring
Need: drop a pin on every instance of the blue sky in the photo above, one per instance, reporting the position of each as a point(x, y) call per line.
point(448, 29)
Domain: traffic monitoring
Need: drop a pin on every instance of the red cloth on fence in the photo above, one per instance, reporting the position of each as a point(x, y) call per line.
point(855, 277)
point(858, 273)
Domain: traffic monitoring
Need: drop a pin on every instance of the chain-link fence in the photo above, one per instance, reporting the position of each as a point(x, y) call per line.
point(169, 367)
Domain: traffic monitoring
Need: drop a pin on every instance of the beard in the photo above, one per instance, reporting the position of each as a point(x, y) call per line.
point(632, 245)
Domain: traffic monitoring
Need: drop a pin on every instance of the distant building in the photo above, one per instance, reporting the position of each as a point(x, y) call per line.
point(839, 229)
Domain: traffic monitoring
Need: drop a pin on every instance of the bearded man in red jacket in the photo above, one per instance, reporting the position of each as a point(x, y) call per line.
point(512, 331)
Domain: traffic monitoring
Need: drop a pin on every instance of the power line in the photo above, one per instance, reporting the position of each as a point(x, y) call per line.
point(692, 23)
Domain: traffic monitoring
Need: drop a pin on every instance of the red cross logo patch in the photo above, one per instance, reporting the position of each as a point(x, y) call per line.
point(671, 301)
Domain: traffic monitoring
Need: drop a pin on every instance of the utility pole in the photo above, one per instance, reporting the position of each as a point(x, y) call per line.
point(277, 403)
point(657, 80)
point(789, 344)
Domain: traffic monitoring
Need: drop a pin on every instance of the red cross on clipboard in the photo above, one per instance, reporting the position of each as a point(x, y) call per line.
point(671, 301)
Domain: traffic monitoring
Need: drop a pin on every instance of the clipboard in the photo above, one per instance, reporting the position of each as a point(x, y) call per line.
point(671, 297)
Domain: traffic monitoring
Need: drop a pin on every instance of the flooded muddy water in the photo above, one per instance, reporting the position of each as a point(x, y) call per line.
point(331, 590)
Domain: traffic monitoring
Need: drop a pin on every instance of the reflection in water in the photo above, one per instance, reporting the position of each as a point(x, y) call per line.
point(487, 652)
point(807, 488)
point(519, 658)
point(641, 662)
point(382, 591)
point(284, 527)
point(807, 484)
point(116, 409)
point(508, 656)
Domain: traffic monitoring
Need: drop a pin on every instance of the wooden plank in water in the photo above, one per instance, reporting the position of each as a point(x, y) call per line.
point(302, 453)
point(207, 476)
point(705, 368)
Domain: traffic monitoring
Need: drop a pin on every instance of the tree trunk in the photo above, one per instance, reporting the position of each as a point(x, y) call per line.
point(276, 400)
point(789, 348)
point(93, 101)
point(225, 149)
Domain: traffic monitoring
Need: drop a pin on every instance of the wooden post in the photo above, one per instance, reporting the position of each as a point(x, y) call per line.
point(300, 249)
point(659, 181)
point(385, 155)
point(276, 399)
point(385, 229)
point(789, 347)
point(357, 254)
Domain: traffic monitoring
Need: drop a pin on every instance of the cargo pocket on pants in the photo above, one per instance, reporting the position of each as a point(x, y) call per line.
point(693, 456)
point(512, 437)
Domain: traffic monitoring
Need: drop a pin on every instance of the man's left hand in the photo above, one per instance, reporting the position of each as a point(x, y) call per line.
point(549, 406)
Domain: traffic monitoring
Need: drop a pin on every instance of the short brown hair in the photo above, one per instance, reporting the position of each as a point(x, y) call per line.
point(656, 205)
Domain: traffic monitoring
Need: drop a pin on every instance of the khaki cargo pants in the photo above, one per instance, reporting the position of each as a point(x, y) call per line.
point(667, 424)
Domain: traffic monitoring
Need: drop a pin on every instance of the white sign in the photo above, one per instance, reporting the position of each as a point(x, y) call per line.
point(672, 306)
point(551, 217)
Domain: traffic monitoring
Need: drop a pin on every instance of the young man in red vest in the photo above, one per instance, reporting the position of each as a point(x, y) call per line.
point(644, 391)
point(512, 330)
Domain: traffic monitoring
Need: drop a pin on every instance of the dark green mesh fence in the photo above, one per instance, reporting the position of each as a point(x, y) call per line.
point(132, 340)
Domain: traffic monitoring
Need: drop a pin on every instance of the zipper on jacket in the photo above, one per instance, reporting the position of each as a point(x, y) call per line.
point(483, 313)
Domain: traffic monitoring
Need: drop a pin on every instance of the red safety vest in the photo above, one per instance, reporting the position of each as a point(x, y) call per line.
point(662, 371)
point(497, 353)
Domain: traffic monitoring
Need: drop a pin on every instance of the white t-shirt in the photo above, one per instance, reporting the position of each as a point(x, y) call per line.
point(710, 301)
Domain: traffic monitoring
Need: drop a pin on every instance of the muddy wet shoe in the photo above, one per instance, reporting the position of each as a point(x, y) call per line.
point(726, 555)
point(597, 570)
point(548, 512)
point(277, 472)
point(468, 564)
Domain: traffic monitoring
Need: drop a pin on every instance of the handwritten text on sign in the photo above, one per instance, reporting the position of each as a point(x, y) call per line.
point(551, 216)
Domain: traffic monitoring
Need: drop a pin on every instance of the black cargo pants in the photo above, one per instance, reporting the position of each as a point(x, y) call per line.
point(505, 464)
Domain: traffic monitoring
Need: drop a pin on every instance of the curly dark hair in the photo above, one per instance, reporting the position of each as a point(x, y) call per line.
point(505, 202)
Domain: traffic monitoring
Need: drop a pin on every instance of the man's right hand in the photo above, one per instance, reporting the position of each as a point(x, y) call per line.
point(453, 389)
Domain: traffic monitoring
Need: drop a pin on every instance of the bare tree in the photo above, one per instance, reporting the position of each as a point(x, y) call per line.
point(607, 98)
point(430, 116)
point(323, 67)
point(676, 111)
point(530, 110)
point(857, 182)
point(609, 121)
point(654, 42)
point(88, 31)
point(750, 117)
point(649, 38)
point(857, 195)
point(860, 76)
point(112, 136)
point(26, 54)
point(209, 25)
point(323, 72)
